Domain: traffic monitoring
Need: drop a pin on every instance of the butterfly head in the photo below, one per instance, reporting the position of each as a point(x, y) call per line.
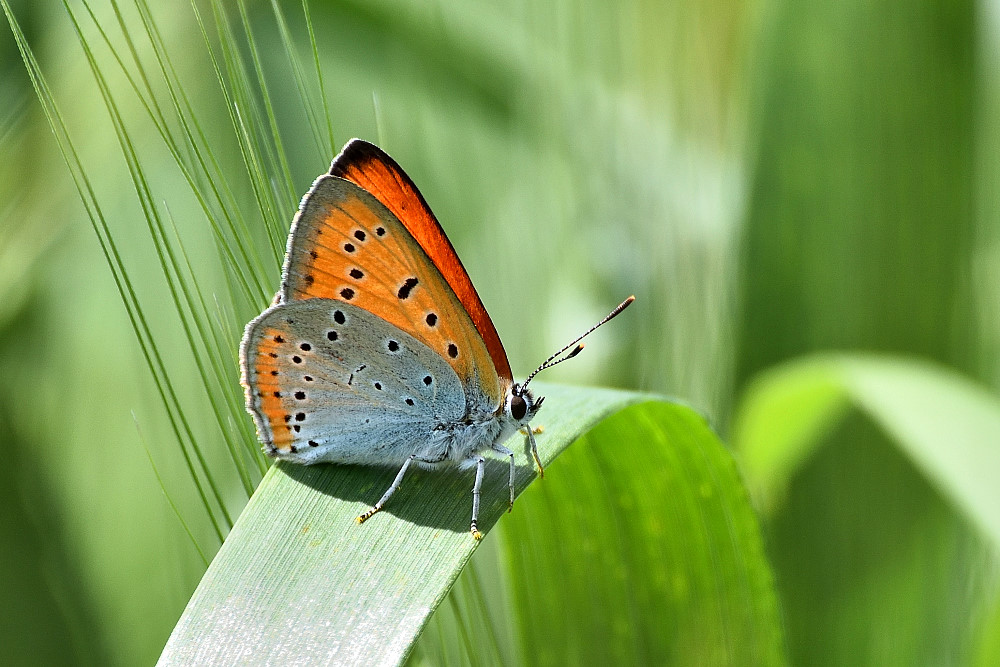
point(521, 404)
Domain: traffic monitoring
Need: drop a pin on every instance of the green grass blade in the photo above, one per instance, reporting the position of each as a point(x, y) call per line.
point(108, 246)
point(280, 154)
point(297, 581)
point(302, 86)
point(237, 251)
point(947, 425)
point(321, 88)
point(179, 290)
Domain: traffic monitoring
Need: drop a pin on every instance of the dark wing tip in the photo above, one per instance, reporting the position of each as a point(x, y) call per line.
point(354, 152)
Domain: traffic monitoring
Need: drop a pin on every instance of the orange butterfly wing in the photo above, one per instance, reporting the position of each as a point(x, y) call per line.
point(346, 245)
point(369, 167)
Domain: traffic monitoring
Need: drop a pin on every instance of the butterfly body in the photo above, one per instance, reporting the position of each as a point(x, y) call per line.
point(377, 349)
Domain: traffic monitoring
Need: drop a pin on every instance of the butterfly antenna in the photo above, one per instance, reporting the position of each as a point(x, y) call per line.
point(576, 345)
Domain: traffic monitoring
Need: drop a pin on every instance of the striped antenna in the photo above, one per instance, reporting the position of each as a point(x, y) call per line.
point(576, 345)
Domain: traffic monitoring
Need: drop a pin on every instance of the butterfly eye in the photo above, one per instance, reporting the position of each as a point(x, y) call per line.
point(518, 407)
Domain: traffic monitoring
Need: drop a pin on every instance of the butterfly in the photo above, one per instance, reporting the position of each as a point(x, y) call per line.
point(377, 349)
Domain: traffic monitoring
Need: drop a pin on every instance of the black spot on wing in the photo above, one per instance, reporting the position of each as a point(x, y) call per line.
point(407, 287)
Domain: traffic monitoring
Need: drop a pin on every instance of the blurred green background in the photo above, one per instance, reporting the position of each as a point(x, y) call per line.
point(771, 179)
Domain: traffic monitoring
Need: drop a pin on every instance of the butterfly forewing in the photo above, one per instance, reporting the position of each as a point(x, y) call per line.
point(346, 245)
point(329, 381)
point(369, 167)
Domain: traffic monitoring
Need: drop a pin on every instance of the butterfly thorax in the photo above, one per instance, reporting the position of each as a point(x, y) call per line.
point(483, 426)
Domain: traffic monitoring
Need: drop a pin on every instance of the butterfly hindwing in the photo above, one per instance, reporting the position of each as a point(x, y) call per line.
point(328, 381)
point(346, 245)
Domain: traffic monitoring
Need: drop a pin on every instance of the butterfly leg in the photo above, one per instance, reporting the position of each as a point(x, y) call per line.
point(506, 452)
point(395, 485)
point(480, 463)
point(388, 492)
point(530, 445)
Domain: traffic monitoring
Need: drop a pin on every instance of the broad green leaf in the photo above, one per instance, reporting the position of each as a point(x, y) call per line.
point(638, 547)
point(947, 425)
point(988, 642)
point(297, 581)
point(783, 416)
